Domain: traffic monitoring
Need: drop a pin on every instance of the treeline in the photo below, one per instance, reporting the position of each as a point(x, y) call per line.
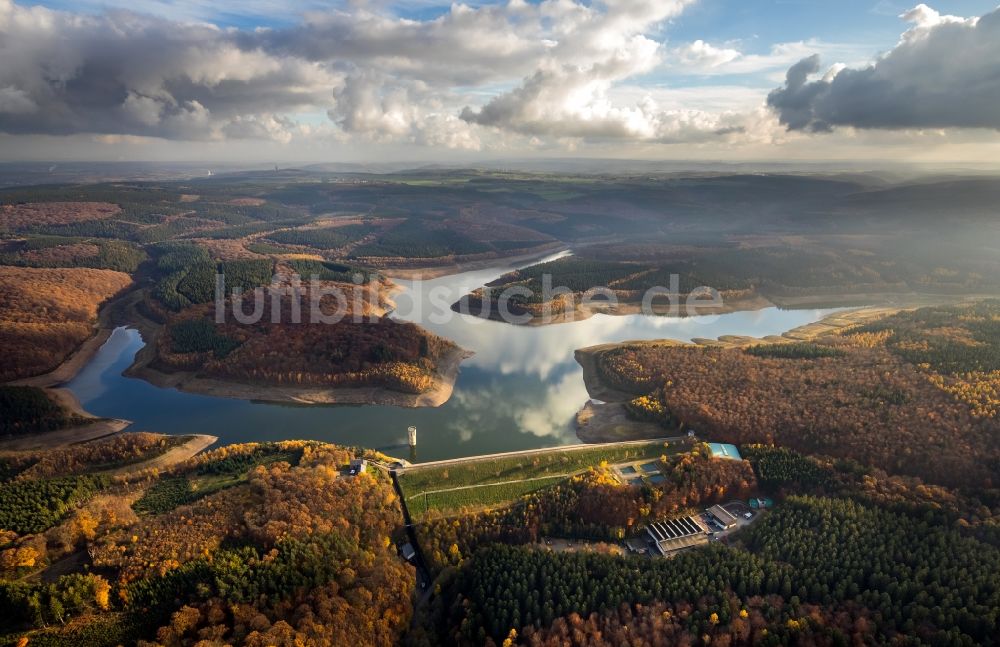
point(289, 537)
point(173, 262)
point(33, 506)
point(690, 276)
point(776, 270)
point(952, 340)
point(322, 238)
point(55, 251)
point(212, 473)
point(98, 455)
point(93, 229)
point(763, 620)
point(920, 578)
point(782, 471)
point(46, 313)
point(794, 350)
point(959, 345)
point(188, 274)
point(780, 466)
point(505, 588)
point(144, 233)
point(239, 214)
point(249, 229)
point(329, 271)
point(573, 272)
point(375, 352)
point(285, 532)
point(39, 605)
point(414, 238)
point(27, 410)
point(200, 336)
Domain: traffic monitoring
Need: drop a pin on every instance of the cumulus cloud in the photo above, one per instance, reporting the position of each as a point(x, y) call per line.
point(701, 55)
point(570, 101)
point(943, 73)
point(470, 78)
point(580, 99)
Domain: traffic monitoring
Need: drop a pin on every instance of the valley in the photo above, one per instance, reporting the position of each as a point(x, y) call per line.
point(172, 474)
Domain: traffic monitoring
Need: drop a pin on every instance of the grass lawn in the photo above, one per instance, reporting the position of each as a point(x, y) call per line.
point(476, 496)
point(504, 479)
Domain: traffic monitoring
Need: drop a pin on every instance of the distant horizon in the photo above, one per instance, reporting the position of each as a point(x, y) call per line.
point(518, 163)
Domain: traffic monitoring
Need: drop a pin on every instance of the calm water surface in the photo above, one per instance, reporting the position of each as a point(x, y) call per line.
point(520, 390)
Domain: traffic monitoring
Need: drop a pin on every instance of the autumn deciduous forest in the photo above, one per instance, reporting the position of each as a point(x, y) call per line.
point(45, 313)
point(281, 553)
point(865, 508)
point(877, 394)
point(375, 351)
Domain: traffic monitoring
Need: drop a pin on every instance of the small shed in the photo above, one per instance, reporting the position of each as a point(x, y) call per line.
point(408, 552)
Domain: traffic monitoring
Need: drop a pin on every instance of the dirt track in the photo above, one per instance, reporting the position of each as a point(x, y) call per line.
point(171, 456)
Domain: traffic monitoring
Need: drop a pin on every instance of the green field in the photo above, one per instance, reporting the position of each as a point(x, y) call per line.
point(476, 496)
point(504, 479)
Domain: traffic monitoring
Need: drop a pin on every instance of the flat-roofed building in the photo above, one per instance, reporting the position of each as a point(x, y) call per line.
point(725, 450)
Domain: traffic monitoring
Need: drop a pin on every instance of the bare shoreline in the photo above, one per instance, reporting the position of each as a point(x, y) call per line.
point(749, 303)
point(458, 267)
point(53, 381)
point(188, 382)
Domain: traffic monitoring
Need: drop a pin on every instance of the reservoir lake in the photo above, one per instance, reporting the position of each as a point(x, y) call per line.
point(521, 389)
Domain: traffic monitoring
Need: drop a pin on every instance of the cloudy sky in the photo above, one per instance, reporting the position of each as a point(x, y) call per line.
point(381, 81)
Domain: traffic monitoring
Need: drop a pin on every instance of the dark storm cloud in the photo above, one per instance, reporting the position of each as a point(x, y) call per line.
point(944, 73)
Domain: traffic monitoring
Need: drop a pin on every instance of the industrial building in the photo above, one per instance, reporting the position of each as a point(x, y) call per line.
point(724, 518)
point(670, 536)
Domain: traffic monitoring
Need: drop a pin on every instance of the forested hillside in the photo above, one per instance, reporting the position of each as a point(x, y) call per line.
point(282, 548)
point(364, 350)
point(913, 394)
point(817, 571)
point(46, 313)
point(876, 444)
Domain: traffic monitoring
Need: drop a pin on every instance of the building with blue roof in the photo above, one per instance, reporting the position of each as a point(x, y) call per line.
point(725, 450)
